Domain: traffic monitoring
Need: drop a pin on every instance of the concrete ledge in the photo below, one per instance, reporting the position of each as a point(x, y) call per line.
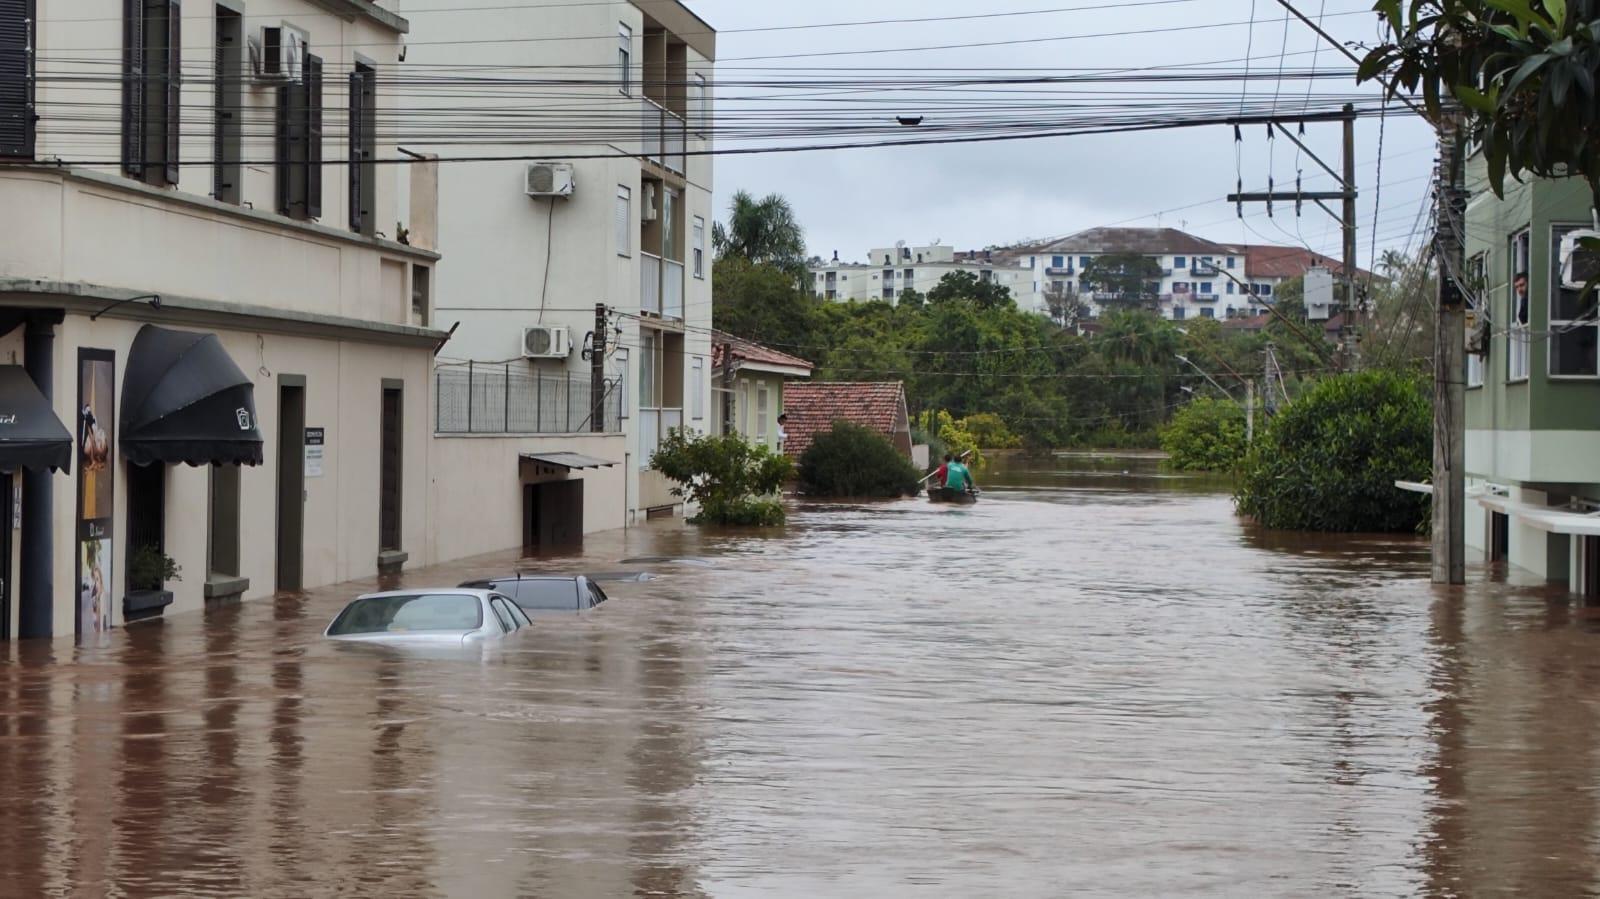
point(391, 561)
point(221, 588)
point(350, 10)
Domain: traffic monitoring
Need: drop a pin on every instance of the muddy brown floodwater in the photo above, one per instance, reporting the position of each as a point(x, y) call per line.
point(1094, 682)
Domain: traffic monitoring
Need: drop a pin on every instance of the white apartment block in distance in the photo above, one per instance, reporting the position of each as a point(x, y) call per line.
point(602, 108)
point(891, 271)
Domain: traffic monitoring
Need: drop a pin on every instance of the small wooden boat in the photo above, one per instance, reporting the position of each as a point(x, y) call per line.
point(951, 495)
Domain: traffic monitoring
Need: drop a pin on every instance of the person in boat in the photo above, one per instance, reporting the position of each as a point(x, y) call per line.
point(943, 471)
point(958, 477)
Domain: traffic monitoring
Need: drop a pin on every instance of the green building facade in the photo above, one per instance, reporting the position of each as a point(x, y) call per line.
point(1533, 399)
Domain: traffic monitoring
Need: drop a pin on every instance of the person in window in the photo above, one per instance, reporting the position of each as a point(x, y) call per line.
point(783, 433)
point(1519, 291)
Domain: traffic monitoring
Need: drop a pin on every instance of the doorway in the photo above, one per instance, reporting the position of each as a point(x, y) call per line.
point(552, 515)
point(1589, 567)
point(389, 472)
point(147, 511)
point(7, 509)
point(291, 481)
point(1499, 536)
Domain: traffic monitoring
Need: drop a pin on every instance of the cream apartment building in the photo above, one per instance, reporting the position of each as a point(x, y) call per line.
point(215, 305)
point(597, 112)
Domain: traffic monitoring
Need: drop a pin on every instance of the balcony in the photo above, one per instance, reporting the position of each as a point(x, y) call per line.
point(1204, 268)
point(649, 283)
point(1060, 270)
point(660, 286)
point(663, 136)
point(655, 423)
point(512, 399)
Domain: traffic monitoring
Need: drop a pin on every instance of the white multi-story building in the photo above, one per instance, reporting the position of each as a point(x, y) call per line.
point(1191, 275)
point(606, 201)
point(203, 280)
point(891, 271)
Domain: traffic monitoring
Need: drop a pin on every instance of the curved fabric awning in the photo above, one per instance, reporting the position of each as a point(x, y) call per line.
point(184, 400)
point(30, 434)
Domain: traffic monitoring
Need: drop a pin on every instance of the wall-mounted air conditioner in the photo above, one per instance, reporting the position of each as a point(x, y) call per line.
point(648, 211)
point(277, 54)
point(1579, 266)
point(550, 179)
point(546, 342)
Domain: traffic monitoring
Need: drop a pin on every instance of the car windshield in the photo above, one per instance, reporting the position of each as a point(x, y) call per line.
point(542, 593)
point(408, 614)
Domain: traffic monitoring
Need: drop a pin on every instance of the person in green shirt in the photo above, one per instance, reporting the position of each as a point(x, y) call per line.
point(958, 476)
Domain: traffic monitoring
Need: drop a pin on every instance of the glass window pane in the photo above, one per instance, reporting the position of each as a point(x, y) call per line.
point(1573, 349)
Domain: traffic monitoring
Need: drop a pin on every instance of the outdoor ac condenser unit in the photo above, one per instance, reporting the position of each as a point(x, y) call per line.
point(550, 179)
point(648, 212)
point(546, 342)
point(276, 54)
point(1578, 266)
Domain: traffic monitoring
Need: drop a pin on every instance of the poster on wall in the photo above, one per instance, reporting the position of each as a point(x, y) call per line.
point(97, 375)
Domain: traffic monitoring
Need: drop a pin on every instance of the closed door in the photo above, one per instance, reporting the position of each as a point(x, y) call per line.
point(291, 485)
point(389, 477)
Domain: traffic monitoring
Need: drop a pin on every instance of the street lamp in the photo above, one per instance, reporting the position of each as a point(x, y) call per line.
point(1185, 360)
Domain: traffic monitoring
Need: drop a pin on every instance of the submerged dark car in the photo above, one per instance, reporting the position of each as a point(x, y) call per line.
point(545, 593)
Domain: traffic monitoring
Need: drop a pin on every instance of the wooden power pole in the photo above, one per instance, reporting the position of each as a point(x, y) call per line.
point(1449, 363)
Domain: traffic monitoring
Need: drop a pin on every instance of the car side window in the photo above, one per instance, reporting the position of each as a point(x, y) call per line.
point(520, 616)
point(596, 595)
point(507, 622)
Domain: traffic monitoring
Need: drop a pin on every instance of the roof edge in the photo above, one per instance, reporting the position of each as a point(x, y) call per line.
point(350, 10)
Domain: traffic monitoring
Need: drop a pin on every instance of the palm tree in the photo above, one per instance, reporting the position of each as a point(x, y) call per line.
point(763, 231)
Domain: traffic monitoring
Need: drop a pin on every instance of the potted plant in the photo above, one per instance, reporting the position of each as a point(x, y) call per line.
point(149, 569)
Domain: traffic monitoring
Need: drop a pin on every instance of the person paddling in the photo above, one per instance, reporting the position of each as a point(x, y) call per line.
point(958, 476)
point(943, 471)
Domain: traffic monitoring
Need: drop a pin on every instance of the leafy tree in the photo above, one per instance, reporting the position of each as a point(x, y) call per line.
point(1329, 461)
point(852, 461)
point(1527, 73)
point(761, 302)
point(989, 431)
point(957, 440)
point(1130, 279)
point(967, 286)
point(1205, 435)
point(1067, 307)
point(731, 479)
point(763, 231)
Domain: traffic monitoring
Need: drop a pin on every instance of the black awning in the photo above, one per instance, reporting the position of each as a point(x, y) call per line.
point(30, 434)
point(569, 461)
point(184, 400)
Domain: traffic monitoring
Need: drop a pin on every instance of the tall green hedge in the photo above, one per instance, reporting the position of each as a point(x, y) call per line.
point(1329, 461)
point(851, 461)
point(1205, 435)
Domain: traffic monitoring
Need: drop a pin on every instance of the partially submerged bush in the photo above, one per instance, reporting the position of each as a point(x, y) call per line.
point(1329, 461)
point(852, 461)
point(731, 479)
point(1205, 435)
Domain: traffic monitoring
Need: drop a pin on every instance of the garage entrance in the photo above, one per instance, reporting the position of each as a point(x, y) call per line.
point(552, 499)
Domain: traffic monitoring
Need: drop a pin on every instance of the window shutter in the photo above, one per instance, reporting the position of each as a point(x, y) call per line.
point(357, 142)
point(369, 150)
point(313, 113)
point(16, 78)
point(133, 88)
point(174, 81)
point(282, 146)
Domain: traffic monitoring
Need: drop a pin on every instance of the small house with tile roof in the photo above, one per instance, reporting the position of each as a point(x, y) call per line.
point(878, 405)
point(753, 393)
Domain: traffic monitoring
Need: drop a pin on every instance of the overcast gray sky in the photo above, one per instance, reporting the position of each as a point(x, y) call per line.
point(983, 194)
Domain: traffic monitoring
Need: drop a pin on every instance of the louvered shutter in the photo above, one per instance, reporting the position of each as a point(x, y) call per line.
point(283, 147)
point(357, 143)
point(173, 75)
point(16, 78)
point(133, 87)
point(313, 136)
point(363, 145)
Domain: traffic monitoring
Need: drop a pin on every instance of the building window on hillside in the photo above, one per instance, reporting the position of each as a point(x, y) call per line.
point(152, 68)
point(1208, 312)
point(910, 274)
point(1574, 329)
point(624, 221)
point(298, 154)
point(1266, 290)
point(1230, 261)
point(1177, 313)
point(1517, 334)
point(1230, 287)
point(17, 116)
point(625, 59)
point(1180, 262)
point(1205, 286)
point(699, 248)
point(363, 149)
point(1058, 262)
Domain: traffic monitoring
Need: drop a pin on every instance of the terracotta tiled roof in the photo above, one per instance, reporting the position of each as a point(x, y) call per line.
point(813, 408)
point(750, 351)
point(1268, 261)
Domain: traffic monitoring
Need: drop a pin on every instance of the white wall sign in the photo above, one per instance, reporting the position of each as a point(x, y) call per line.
point(315, 439)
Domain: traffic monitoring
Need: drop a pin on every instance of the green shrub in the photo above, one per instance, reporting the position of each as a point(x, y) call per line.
point(957, 440)
point(989, 431)
point(1329, 461)
point(1205, 435)
point(853, 461)
point(730, 478)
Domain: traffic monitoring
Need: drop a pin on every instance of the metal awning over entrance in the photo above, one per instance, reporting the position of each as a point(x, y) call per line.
point(1545, 518)
point(31, 436)
point(569, 461)
point(185, 400)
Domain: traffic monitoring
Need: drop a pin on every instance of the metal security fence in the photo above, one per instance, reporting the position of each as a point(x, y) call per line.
point(509, 399)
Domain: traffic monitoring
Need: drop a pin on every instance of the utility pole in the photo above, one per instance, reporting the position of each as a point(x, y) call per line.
point(1346, 194)
point(727, 388)
point(1249, 413)
point(1449, 363)
point(1353, 313)
point(597, 371)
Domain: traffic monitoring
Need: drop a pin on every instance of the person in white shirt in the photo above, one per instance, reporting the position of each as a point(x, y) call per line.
point(783, 435)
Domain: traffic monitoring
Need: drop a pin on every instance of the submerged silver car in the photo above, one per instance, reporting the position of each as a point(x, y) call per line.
point(447, 616)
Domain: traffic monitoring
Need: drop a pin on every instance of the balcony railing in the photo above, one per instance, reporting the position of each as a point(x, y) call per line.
point(508, 398)
point(664, 136)
point(1204, 268)
point(1060, 270)
point(672, 290)
point(649, 283)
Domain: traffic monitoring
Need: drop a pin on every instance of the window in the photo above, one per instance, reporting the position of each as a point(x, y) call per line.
point(1518, 331)
point(697, 403)
point(1205, 286)
point(910, 275)
point(363, 149)
point(151, 68)
point(625, 59)
point(1177, 313)
point(223, 550)
point(761, 415)
point(1083, 262)
point(699, 247)
point(888, 293)
point(298, 153)
point(1266, 290)
point(647, 369)
point(17, 122)
point(1208, 312)
point(1058, 262)
point(1574, 328)
point(227, 107)
point(699, 105)
point(624, 221)
point(1477, 268)
point(1180, 262)
point(744, 408)
point(411, 612)
point(421, 276)
point(1230, 261)
point(1230, 287)
point(888, 275)
point(501, 613)
point(390, 466)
